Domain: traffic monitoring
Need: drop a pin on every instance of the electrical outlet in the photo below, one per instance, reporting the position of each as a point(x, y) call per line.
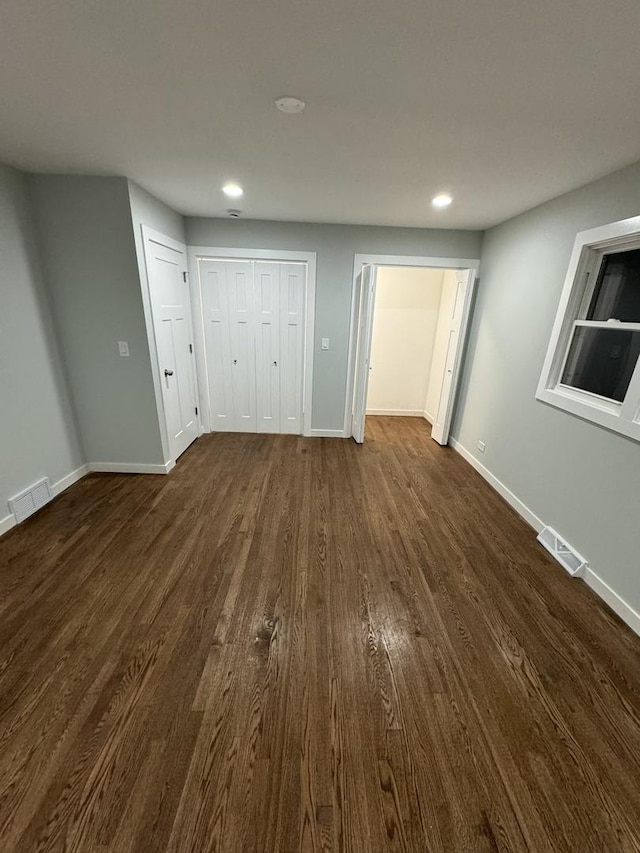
point(482, 446)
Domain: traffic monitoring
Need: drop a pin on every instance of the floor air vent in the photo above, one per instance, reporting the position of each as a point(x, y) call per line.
point(567, 556)
point(27, 502)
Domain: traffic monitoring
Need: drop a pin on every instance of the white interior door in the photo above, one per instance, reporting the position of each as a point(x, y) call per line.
point(367, 282)
point(166, 262)
point(455, 329)
point(292, 319)
point(267, 301)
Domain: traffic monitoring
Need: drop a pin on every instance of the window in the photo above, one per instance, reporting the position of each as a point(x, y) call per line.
point(592, 368)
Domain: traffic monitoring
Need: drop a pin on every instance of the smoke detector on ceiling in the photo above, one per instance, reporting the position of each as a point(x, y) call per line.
point(234, 212)
point(289, 104)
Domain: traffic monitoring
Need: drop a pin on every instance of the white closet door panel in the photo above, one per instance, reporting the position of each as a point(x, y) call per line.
point(292, 315)
point(215, 306)
point(267, 301)
point(291, 381)
point(242, 333)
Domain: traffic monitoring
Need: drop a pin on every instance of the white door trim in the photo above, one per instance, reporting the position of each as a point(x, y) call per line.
point(360, 260)
point(367, 283)
point(224, 253)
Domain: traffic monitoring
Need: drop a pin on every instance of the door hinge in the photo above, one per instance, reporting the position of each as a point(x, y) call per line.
point(196, 410)
point(190, 347)
point(184, 276)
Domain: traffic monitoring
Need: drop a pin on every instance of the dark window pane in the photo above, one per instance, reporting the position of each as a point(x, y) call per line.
point(602, 361)
point(617, 292)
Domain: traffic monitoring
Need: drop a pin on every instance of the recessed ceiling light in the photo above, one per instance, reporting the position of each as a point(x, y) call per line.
point(232, 190)
point(289, 104)
point(442, 200)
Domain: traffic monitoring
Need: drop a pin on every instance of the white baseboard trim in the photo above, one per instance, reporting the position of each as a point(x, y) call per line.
point(129, 468)
point(617, 604)
point(7, 523)
point(328, 433)
point(69, 480)
point(501, 489)
point(400, 413)
point(57, 488)
point(63, 483)
point(428, 417)
point(628, 615)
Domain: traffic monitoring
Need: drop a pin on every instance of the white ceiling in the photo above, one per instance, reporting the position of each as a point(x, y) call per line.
point(505, 103)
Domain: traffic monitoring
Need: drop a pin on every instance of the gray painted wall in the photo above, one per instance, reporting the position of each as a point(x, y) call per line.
point(577, 477)
point(88, 251)
point(150, 211)
point(38, 436)
point(335, 246)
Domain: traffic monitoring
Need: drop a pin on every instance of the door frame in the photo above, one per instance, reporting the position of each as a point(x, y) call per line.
point(195, 254)
point(358, 305)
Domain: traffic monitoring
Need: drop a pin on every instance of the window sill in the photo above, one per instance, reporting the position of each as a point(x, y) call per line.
point(598, 412)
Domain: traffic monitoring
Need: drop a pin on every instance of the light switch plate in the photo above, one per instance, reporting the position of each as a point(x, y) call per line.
point(325, 343)
point(123, 348)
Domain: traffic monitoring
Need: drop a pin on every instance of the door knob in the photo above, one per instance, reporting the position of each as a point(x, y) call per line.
point(168, 373)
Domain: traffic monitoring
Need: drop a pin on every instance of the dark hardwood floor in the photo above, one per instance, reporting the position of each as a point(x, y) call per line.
point(298, 644)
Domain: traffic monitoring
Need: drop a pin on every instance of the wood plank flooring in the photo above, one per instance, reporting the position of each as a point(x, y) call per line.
point(296, 644)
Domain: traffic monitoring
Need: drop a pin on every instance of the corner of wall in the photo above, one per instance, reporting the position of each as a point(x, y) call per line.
point(89, 256)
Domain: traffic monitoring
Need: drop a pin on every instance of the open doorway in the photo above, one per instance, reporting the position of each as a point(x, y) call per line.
point(410, 321)
point(409, 341)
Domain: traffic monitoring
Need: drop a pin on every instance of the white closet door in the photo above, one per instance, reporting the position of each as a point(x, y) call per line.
point(242, 334)
point(292, 316)
point(267, 302)
point(254, 316)
point(215, 309)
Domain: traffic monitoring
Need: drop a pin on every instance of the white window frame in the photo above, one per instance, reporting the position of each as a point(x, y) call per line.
point(588, 251)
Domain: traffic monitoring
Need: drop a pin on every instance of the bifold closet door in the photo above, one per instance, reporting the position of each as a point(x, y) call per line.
point(228, 309)
point(254, 334)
